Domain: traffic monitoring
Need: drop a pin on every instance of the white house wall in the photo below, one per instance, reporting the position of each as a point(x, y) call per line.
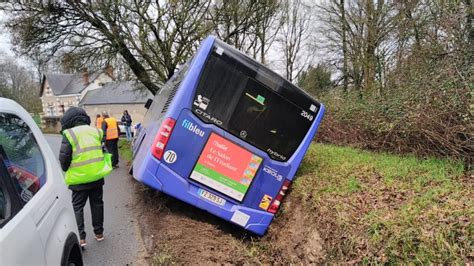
point(51, 104)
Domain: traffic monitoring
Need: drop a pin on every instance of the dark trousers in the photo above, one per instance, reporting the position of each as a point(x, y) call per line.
point(79, 199)
point(112, 147)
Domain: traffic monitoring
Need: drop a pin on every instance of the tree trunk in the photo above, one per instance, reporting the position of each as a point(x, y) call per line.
point(416, 30)
point(119, 44)
point(262, 49)
point(469, 28)
point(344, 44)
point(369, 58)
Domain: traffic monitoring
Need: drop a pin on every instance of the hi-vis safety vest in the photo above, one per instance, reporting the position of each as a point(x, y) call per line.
point(100, 119)
point(112, 128)
point(89, 163)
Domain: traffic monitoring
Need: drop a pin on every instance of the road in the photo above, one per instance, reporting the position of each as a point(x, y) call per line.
point(121, 245)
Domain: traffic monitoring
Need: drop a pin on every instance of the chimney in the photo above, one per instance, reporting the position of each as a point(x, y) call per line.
point(109, 70)
point(85, 76)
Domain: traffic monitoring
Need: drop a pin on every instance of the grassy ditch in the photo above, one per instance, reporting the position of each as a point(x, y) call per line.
point(347, 206)
point(376, 207)
point(125, 150)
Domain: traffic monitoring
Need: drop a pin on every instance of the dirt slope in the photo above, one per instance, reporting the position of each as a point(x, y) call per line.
point(175, 232)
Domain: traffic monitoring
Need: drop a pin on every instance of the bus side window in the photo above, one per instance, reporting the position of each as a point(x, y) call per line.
point(159, 105)
point(222, 82)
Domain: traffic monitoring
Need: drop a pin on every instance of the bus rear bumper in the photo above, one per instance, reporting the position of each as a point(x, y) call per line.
point(160, 177)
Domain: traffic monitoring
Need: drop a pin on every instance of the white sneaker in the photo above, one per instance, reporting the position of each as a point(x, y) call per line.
point(99, 237)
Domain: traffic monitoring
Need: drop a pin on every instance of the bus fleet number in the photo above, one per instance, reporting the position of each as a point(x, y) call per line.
point(307, 115)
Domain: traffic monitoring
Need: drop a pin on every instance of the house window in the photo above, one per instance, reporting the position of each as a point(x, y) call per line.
point(68, 105)
point(48, 91)
point(50, 109)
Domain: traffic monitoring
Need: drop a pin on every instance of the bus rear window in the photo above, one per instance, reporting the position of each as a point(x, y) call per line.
point(230, 97)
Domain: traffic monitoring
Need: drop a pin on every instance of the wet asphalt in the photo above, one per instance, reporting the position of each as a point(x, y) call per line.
point(121, 245)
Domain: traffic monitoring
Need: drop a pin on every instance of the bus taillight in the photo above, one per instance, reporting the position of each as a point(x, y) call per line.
point(162, 137)
point(281, 194)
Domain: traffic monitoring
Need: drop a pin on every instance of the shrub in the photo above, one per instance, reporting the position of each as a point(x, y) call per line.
point(425, 109)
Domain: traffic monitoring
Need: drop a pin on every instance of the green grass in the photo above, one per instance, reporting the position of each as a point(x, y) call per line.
point(125, 150)
point(387, 208)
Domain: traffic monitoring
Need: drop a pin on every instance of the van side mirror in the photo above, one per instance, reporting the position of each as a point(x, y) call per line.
point(148, 103)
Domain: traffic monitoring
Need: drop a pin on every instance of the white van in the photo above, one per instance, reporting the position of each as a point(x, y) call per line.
point(37, 223)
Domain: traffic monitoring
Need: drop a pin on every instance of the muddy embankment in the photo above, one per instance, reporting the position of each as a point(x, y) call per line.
point(175, 232)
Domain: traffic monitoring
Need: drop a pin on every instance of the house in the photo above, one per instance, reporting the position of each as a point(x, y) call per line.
point(60, 91)
point(115, 97)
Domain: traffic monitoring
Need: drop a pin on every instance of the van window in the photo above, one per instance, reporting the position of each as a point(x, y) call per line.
point(4, 202)
point(10, 202)
point(21, 155)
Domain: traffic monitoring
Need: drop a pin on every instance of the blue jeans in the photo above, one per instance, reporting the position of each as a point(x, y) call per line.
point(128, 132)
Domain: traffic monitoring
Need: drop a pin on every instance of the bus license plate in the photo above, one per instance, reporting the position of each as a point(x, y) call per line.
point(211, 197)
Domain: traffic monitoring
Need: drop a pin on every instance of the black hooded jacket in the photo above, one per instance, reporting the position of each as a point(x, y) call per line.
point(74, 117)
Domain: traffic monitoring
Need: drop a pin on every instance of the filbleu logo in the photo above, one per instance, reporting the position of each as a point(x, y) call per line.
point(192, 127)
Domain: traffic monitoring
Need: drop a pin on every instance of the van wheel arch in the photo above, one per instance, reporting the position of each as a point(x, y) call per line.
point(72, 254)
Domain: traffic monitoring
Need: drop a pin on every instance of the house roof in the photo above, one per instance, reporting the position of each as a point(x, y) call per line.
point(64, 84)
point(121, 92)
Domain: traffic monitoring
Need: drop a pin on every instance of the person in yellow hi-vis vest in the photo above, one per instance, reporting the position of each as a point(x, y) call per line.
point(83, 159)
point(112, 133)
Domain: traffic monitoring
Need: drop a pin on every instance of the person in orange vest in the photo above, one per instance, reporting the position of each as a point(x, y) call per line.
point(111, 136)
point(98, 121)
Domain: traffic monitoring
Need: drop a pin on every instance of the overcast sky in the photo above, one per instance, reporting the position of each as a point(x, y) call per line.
point(5, 43)
point(4, 36)
point(7, 53)
point(6, 47)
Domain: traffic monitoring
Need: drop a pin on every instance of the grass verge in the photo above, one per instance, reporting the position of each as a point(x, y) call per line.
point(125, 150)
point(346, 206)
point(377, 207)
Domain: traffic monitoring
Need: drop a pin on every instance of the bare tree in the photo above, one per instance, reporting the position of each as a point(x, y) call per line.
point(151, 37)
point(355, 32)
point(293, 38)
point(18, 83)
point(249, 25)
point(343, 24)
point(268, 28)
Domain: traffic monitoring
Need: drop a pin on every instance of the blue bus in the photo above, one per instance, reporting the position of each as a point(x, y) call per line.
point(226, 134)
